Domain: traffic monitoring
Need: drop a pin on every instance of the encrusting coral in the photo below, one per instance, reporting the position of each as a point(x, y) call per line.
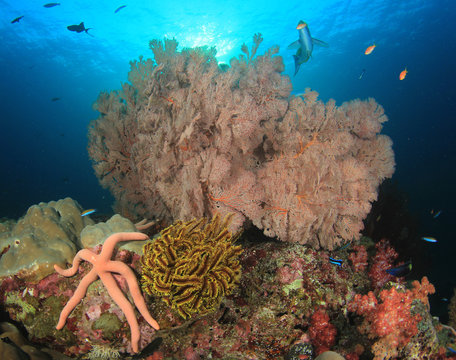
point(192, 265)
point(188, 138)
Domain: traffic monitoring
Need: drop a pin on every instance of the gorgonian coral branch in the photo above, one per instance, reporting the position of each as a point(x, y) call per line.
point(196, 138)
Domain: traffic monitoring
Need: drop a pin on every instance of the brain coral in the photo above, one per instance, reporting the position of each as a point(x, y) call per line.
point(192, 265)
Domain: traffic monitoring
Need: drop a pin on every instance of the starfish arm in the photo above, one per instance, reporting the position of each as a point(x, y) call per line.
point(76, 298)
point(111, 241)
point(143, 224)
point(83, 254)
point(120, 299)
point(139, 223)
point(129, 275)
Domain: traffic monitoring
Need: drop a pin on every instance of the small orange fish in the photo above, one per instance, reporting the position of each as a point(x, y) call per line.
point(403, 74)
point(167, 99)
point(370, 49)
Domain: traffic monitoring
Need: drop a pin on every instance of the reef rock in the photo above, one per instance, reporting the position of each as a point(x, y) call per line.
point(46, 235)
point(96, 234)
point(14, 346)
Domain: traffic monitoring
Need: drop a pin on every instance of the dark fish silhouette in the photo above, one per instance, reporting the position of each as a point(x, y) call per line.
point(16, 20)
point(49, 5)
point(149, 349)
point(401, 270)
point(78, 28)
point(120, 8)
point(55, 99)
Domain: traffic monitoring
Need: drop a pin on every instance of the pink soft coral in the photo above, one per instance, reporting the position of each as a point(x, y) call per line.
point(389, 318)
point(383, 260)
point(187, 139)
point(358, 258)
point(321, 332)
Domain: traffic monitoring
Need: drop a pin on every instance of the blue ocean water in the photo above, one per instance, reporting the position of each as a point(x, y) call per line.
point(43, 142)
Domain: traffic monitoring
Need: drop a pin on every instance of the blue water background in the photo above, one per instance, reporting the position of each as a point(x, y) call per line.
point(43, 142)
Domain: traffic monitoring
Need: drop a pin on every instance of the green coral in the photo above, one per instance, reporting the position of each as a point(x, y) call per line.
point(109, 323)
point(192, 265)
point(14, 299)
point(295, 285)
point(40, 316)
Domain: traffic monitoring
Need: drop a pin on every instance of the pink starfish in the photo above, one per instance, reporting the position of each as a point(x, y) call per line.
point(103, 266)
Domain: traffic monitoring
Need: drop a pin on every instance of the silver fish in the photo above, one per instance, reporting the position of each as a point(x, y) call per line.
point(304, 44)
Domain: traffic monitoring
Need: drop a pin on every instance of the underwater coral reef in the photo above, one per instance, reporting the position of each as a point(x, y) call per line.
point(262, 196)
point(212, 299)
